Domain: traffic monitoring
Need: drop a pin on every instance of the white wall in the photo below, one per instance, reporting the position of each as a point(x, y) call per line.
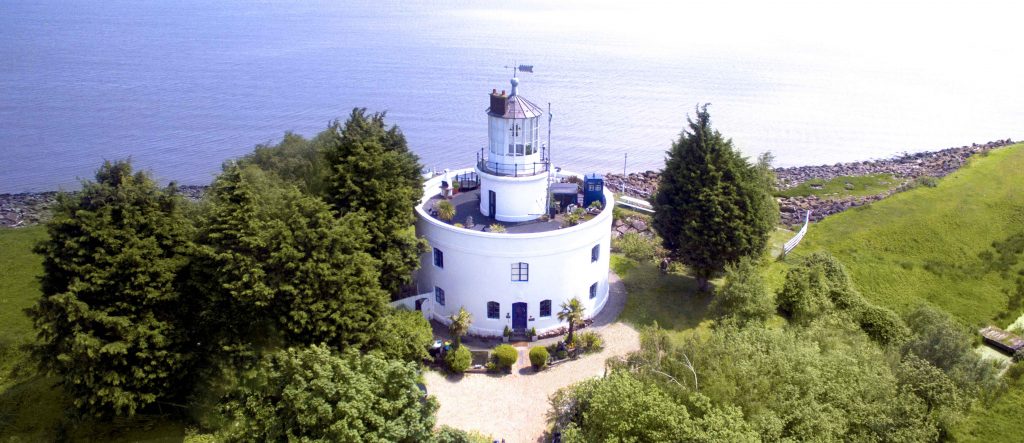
point(518, 198)
point(477, 268)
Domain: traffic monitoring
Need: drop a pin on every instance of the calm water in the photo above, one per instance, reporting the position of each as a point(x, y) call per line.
point(180, 86)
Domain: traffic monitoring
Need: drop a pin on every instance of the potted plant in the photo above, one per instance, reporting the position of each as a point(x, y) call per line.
point(533, 333)
point(455, 186)
point(506, 335)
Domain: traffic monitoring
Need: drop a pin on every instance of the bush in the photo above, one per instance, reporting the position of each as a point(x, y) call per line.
point(539, 357)
point(637, 247)
point(505, 356)
point(458, 359)
point(882, 325)
point(589, 341)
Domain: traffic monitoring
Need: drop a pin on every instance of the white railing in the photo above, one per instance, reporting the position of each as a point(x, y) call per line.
point(791, 244)
point(635, 203)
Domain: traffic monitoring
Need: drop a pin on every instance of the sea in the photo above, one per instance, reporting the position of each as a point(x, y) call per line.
point(181, 86)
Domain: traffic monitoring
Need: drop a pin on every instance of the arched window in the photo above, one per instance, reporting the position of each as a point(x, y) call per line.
point(439, 295)
point(493, 309)
point(545, 308)
point(593, 290)
point(595, 253)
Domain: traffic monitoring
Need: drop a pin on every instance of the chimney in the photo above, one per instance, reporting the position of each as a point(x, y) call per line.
point(498, 103)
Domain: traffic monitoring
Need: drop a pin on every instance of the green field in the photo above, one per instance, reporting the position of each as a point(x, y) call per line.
point(844, 186)
point(936, 245)
point(928, 244)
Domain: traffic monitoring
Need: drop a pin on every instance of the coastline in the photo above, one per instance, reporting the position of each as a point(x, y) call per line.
point(32, 208)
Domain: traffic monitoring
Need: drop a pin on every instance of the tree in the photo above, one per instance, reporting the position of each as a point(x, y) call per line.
point(712, 206)
point(403, 335)
point(110, 319)
point(459, 325)
point(276, 261)
point(458, 359)
point(572, 312)
point(373, 171)
point(744, 296)
point(311, 394)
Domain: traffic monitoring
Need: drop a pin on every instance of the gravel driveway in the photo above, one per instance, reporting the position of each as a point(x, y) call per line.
point(514, 406)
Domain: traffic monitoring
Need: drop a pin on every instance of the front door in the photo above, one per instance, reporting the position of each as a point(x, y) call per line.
point(490, 203)
point(519, 315)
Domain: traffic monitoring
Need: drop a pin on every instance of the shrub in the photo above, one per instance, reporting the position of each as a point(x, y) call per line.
point(539, 357)
point(589, 341)
point(596, 204)
point(497, 228)
point(505, 356)
point(882, 325)
point(445, 210)
point(637, 247)
point(458, 359)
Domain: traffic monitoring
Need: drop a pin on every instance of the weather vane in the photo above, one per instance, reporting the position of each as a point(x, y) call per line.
point(520, 68)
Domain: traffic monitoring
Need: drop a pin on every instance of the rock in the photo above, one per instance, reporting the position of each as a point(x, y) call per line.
point(639, 225)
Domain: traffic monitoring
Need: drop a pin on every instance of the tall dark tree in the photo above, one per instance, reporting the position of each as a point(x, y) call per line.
point(275, 260)
point(373, 171)
point(108, 320)
point(712, 206)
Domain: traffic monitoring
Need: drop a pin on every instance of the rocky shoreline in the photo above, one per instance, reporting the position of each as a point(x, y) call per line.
point(906, 167)
point(26, 209)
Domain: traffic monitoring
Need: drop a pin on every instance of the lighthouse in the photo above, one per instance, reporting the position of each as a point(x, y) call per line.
point(513, 168)
point(504, 256)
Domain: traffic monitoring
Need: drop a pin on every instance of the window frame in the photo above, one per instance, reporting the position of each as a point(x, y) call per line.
point(497, 310)
point(439, 295)
point(520, 272)
point(541, 311)
point(438, 258)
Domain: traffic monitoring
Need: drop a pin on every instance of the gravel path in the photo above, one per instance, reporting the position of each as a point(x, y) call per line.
point(514, 406)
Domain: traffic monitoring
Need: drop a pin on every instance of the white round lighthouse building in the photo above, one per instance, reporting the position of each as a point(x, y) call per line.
point(503, 257)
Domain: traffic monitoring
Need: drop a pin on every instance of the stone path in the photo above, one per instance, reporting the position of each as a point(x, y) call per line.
point(514, 406)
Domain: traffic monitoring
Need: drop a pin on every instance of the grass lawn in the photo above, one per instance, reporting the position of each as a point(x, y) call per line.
point(671, 300)
point(845, 186)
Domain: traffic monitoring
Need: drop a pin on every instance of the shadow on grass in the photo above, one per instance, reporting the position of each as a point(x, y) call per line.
point(670, 299)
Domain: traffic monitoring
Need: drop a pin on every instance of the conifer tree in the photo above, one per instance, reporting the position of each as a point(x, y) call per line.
point(712, 206)
point(274, 260)
point(108, 322)
point(371, 170)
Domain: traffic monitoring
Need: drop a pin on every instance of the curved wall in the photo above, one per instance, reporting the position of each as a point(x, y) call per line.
point(477, 269)
point(516, 198)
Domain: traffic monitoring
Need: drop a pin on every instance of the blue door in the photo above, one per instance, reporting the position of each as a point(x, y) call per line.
point(519, 315)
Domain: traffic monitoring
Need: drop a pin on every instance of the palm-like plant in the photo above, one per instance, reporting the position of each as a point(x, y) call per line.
point(459, 325)
point(572, 312)
point(445, 210)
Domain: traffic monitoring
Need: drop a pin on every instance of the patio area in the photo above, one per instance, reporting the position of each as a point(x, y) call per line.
point(467, 204)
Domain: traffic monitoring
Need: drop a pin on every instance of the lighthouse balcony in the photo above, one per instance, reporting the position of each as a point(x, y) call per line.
point(506, 169)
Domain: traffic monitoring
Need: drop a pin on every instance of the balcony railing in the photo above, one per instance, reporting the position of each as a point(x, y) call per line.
point(513, 170)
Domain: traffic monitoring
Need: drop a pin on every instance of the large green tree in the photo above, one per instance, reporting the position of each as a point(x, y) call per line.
point(272, 259)
point(313, 394)
point(712, 206)
point(371, 170)
point(108, 322)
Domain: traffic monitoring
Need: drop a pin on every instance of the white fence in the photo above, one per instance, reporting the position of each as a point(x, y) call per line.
point(791, 244)
point(635, 203)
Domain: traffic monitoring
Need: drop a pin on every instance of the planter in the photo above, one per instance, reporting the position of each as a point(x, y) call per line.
point(505, 338)
point(533, 338)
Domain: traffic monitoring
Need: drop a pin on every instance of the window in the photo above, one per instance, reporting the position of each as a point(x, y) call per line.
point(439, 295)
point(593, 290)
point(593, 186)
point(545, 308)
point(493, 309)
point(595, 253)
point(438, 258)
point(520, 271)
